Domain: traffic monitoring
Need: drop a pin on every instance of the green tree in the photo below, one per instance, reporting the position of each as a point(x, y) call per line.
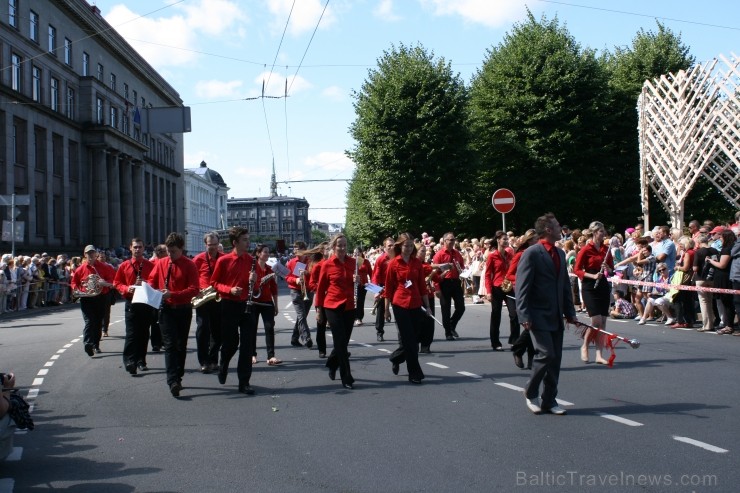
point(537, 124)
point(411, 151)
point(317, 236)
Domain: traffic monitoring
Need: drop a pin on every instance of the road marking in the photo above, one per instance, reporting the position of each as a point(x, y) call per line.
point(697, 443)
point(564, 403)
point(61, 351)
point(384, 350)
point(41, 373)
point(75, 340)
point(54, 357)
point(468, 374)
point(510, 386)
point(619, 419)
point(32, 393)
point(49, 363)
point(367, 345)
point(67, 346)
point(37, 381)
point(6, 485)
point(15, 455)
point(437, 365)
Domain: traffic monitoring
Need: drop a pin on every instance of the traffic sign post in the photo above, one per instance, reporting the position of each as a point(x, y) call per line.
point(12, 201)
point(503, 201)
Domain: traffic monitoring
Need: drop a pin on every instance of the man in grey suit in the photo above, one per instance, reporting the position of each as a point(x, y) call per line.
point(543, 299)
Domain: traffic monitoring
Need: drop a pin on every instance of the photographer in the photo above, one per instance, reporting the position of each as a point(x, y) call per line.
point(7, 425)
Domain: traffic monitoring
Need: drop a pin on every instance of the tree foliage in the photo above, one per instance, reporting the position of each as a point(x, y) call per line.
point(411, 151)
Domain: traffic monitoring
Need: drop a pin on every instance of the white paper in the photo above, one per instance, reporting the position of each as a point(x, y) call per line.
point(299, 267)
point(373, 288)
point(147, 294)
point(466, 273)
point(280, 270)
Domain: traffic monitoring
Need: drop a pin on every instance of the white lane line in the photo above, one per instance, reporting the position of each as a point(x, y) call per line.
point(61, 351)
point(32, 393)
point(697, 443)
point(41, 373)
point(15, 455)
point(288, 305)
point(49, 363)
point(67, 346)
point(564, 403)
point(619, 419)
point(510, 386)
point(384, 350)
point(37, 381)
point(437, 365)
point(54, 357)
point(367, 345)
point(468, 374)
point(75, 340)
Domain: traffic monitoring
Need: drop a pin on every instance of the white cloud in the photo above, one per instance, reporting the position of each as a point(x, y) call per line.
point(303, 19)
point(492, 13)
point(218, 89)
point(330, 161)
point(335, 93)
point(213, 17)
point(275, 84)
point(384, 11)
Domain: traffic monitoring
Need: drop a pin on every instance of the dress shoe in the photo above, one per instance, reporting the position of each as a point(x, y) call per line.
point(322, 355)
point(142, 366)
point(332, 373)
point(347, 386)
point(309, 343)
point(131, 369)
point(394, 369)
point(498, 348)
point(205, 368)
point(358, 323)
point(222, 375)
point(425, 350)
point(97, 350)
point(529, 362)
point(556, 410)
point(295, 343)
point(449, 337)
point(534, 405)
point(89, 350)
point(246, 389)
point(518, 361)
point(213, 367)
point(156, 349)
point(416, 381)
point(105, 334)
point(175, 388)
point(455, 334)
point(380, 337)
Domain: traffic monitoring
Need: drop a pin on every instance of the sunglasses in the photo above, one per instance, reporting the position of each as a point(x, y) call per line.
point(662, 270)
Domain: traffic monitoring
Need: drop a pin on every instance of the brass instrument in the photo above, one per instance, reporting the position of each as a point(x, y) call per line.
point(303, 285)
point(93, 287)
point(204, 296)
point(263, 281)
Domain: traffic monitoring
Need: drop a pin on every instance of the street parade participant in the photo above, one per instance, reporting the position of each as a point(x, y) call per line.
point(497, 265)
point(91, 282)
point(208, 314)
point(265, 296)
point(312, 286)
point(378, 278)
point(450, 261)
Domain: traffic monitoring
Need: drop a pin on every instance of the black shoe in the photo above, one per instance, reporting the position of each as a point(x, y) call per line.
point(332, 373)
point(222, 375)
point(380, 337)
point(449, 337)
point(455, 334)
point(309, 343)
point(529, 362)
point(394, 369)
point(518, 361)
point(416, 381)
point(131, 369)
point(295, 343)
point(105, 334)
point(97, 350)
point(322, 355)
point(425, 350)
point(205, 369)
point(348, 386)
point(142, 366)
point(246, 389)
point(175, 388)
point(89, 350)
point(156, 349)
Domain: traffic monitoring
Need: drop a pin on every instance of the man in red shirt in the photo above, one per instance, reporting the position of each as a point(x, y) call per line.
point(177, 278)
point(208, 316)
point(379, 274)
point(92, 305)
point(450, 261)
point(298, 285)
point(138, 316)
point(234, 278)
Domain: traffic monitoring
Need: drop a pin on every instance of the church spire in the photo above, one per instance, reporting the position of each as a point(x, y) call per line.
point(273, 181)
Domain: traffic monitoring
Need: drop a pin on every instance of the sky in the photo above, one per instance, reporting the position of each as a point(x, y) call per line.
point(219, 54)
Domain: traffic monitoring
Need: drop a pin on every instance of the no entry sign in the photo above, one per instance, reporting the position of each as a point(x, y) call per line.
point(503, 200)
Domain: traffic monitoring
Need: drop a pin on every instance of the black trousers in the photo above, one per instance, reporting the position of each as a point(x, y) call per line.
point(138, 318)
point(268, 320)
point(410, 324)
point(156, 332)
point(427, 327)
point(340, 321)
point(380, 316)
point(208, 332)
point(175, 325)
point(321, 336)
point(451, 292)
point(360, 305)
point(497, 298)
point(237, 331)
point(302, 307)
point(93, 310)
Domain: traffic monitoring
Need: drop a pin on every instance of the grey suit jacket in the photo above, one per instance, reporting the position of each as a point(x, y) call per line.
point(543, 299)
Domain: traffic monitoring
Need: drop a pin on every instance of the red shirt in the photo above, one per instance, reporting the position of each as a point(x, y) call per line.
point(336, 284)
point(268, 289)
point(183, 279)
point(445, 256)
point(379, 271)
point(404, 282)
point(511, 273)
point(205, 265)
point(105, 271)
point(497, 265)
point(291, 278)
point(365, 271)
point(233, 271)
point(314, 278)
point(127, 274)
point(590, 259)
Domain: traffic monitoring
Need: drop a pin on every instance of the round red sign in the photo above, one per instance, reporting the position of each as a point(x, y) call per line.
point(503, 200)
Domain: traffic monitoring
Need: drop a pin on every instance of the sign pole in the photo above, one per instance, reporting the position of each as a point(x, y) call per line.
point(12, 225)
point(503, 221)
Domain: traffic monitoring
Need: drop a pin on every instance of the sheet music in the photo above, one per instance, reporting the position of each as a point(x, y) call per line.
point(147, 294)
point(299, 266)
point(373, 288)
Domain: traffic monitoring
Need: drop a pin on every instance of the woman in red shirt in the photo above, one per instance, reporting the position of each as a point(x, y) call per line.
point(497, 265)
point(405, 289)
point(335, 303)
point(432, 279)
point(364, 269)
point(524, 342)
point(591, 267)
point(266, 288)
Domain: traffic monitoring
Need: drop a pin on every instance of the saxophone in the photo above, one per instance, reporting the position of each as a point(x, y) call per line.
point(263, 281)
point(204, 296)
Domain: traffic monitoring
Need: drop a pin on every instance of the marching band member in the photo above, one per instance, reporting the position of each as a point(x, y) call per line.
point(160, 252)
point(379, 273)
point(138, 316)
point(524, 341)
point(93, 307)
point(234, 278)
point(497, 265)
point(313, 285)
point(208, 315)
point(405, 289)
point(177, 278)
point(266, 294)
point(432, 279)
point(364, 269)
point(449, 260)
point(335, 298)
point(300, 295)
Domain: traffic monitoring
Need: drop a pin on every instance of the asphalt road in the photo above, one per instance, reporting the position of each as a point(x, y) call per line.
point(663, 419)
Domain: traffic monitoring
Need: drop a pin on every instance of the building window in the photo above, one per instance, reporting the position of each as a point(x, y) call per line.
point(299, 225)
point(34, 26)
point(52, 39)
point(70, 103)
point(288, 225)
point(124, 124)
point(74, 163)
point(16, 81)
point(125, 91)
point(54, 94)
point(99, 110)
point(39, 135)
point(40, 199)
point(100, 72)
point(67, 51)
point(113, 117)
point(57, 154)
point(113, 81)
point(36, 87)
point(13, 13)
point(58, 216)
point(85, 64)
